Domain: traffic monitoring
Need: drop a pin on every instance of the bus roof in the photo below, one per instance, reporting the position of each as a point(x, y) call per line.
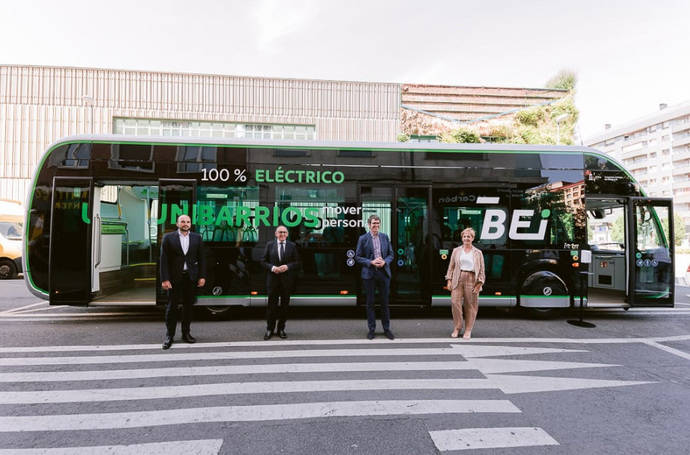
point(401, 146)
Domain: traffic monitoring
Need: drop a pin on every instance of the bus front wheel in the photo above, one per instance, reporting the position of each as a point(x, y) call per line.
point(7, 269)
point(543, 293)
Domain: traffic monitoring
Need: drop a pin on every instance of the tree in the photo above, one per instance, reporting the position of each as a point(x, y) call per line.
point(564, 80)
point(533, 125)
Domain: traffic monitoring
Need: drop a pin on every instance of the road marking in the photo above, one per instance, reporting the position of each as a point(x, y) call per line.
point(240, 388)
point(200, 447)
point(477, 350)
point(338, 342)
point(13, 316)
point(508, 384)
point(512, 384)
point(490, 438)
point(14, 310)
point(668, 349)
point(33, 310)
point(471, 351)
point(282, 412)
point(486, 366)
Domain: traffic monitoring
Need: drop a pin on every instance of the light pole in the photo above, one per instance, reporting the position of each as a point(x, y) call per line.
point(558, 121)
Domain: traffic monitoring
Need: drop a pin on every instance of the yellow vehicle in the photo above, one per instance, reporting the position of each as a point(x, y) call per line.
point(11, 228)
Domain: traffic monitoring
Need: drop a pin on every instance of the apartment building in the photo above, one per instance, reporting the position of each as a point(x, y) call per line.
point(656, 151)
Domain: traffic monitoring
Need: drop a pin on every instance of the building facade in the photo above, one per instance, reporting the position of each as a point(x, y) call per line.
point(40, 104)
point(656, 150)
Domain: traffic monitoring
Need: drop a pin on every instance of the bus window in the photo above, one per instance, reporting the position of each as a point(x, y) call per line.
point(456, 219)
point(227, 214)
point(323, 224)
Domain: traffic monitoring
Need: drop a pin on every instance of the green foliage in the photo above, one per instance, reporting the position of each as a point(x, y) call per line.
point(678, 229)
point(618, 230)
point(461, 136)
point(402, 137)
point(532, 116)
point(565, 80)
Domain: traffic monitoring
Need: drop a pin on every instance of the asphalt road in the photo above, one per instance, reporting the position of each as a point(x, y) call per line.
point(91, 380)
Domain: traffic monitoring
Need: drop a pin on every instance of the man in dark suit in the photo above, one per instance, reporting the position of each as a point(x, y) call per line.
point(374, 253)
point(183, 270)
point(281, 261)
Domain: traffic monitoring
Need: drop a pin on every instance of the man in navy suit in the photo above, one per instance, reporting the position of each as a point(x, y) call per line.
point(183, 269)
point(281, 261)
point(374, 253)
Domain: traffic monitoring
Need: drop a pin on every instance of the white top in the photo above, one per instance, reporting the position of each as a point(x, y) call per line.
point(466, 261)
point(184, 243)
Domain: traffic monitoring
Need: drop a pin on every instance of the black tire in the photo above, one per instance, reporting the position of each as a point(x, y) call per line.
point(219, 312)
point(8, 270)
point(544, 283)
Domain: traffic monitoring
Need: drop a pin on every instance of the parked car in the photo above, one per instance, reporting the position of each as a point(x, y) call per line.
point(11, 229)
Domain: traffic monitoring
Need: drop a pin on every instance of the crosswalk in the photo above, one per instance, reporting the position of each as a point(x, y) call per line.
point(135, 393)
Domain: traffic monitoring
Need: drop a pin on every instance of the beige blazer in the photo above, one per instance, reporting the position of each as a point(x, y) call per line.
point(453, 273)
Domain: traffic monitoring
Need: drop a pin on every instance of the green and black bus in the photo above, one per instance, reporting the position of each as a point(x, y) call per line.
point(555, 224)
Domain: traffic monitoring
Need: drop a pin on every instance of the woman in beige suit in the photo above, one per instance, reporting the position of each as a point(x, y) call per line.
point(465, 278)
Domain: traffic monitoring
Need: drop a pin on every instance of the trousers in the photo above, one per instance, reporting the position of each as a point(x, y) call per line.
point(463, 300)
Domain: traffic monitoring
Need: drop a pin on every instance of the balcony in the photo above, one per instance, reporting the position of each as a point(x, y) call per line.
point(680, 127)
point(678, 184)
point(680, 198)
point(681, 169)
point(680, 141)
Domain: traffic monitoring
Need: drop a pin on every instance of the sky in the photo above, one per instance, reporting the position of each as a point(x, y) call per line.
point(629, 56)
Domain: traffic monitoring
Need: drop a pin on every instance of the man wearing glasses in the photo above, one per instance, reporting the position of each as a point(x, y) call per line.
point(281, 261)
point(374, 253)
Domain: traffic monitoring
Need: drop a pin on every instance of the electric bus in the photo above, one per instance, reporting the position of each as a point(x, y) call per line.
point(558, 225)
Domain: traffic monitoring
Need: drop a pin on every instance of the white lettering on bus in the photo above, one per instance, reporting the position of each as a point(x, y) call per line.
point(494, 225)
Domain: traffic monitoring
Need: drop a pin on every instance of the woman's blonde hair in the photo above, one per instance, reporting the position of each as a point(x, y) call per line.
point(470, 230)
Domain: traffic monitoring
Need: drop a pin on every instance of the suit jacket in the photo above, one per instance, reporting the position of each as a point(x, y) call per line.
point(365, 254)
point(291, 259)
point(173, 258)
point(453, 273)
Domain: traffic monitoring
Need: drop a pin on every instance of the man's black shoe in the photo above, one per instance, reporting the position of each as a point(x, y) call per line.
point(188, 338)
point(282, 334)
point(371, 335)
point(389, 334)
point(167, 343)
point(268, 335)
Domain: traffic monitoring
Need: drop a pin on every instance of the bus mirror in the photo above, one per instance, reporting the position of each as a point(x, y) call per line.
point(597, 214)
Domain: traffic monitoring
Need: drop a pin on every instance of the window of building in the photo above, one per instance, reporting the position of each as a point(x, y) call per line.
point(153, 127)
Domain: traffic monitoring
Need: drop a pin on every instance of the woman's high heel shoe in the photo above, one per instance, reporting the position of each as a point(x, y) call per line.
point(467, 336)
point(454, 334)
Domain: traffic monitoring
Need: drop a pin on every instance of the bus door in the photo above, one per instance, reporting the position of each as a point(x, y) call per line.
point(411, 266)
point(124, 243)
point(651, 258)
point(609, 239)
point(404, 218)
point(175, 197)
point(70, 241)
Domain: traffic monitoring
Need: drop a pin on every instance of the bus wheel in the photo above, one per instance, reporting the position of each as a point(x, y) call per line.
point(538, 288)
point(219, 312)
point(7, 269)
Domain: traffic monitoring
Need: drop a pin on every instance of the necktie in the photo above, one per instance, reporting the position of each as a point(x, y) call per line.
point(282, 251)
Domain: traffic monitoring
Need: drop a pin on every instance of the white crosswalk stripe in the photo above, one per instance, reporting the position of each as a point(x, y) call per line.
point(199, 447)
point(490, 438)
point(38, 390)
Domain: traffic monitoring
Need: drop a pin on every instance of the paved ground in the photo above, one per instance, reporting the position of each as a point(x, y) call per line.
point(95, 379)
